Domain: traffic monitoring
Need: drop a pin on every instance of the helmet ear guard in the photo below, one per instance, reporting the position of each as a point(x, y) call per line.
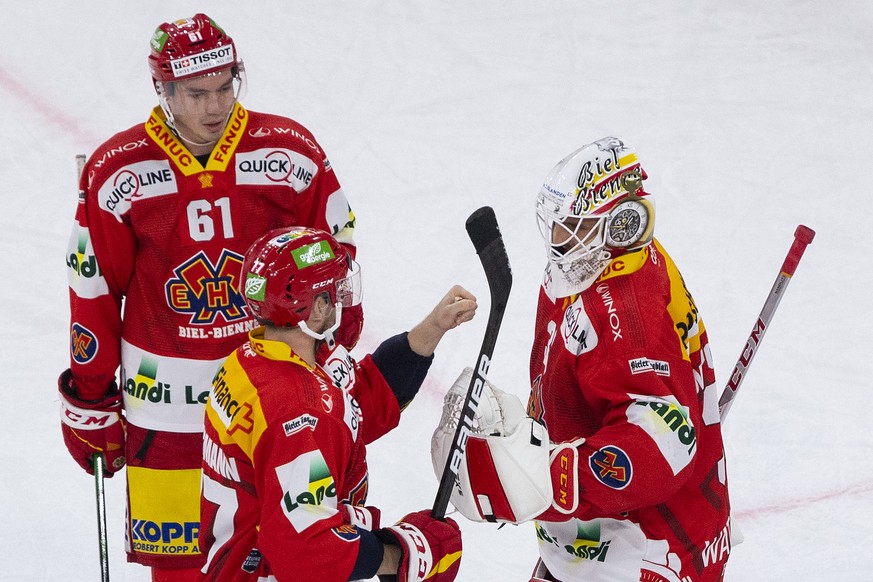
point(631, 224)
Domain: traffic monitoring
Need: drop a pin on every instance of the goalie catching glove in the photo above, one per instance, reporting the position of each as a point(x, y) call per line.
point(92, 426)
point(505, 473)
point(510, 472)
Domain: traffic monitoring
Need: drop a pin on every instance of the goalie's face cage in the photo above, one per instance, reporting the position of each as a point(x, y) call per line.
point(575, 247)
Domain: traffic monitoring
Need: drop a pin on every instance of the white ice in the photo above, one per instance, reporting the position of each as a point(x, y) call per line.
point(751, 118)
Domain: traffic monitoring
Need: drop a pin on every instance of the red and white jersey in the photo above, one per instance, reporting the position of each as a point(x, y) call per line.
point(283, 450)
point(157, 247)
point(625, 364)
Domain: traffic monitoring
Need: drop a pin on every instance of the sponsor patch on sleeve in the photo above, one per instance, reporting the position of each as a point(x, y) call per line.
point(302, 422)
point(309, 491)
point(611, 466)
point(668, 424)
point(642, 365)
point(347, 532)
point(83, 344)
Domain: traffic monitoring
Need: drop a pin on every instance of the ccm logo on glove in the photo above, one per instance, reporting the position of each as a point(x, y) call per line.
point(83, 419)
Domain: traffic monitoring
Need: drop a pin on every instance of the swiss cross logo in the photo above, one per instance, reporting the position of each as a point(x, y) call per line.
point(612, 467)
point(243, 421)
point(205, 290)
point(83, 344)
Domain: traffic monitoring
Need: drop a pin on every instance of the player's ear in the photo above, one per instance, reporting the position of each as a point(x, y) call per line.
point(321, 307)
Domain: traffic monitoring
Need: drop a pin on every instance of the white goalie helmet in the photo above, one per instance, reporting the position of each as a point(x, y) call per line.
point(592, 208)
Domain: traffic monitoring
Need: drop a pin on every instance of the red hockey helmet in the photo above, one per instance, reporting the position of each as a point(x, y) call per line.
point(189, 48)
point(287, 268)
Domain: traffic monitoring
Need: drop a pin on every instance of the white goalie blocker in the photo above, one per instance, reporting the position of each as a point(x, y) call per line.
point(505, 473)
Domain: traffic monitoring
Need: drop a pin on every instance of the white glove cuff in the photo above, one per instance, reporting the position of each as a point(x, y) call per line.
point(86, 419)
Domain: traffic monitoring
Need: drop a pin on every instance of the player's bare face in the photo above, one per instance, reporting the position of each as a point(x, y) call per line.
point(201, 108)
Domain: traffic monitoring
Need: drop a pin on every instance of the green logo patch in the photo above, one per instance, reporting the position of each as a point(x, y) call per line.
point(159, 39)
point(256, 286)
point(312, 254)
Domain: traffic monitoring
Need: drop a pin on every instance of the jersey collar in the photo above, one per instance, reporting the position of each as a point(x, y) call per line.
point(157, 129)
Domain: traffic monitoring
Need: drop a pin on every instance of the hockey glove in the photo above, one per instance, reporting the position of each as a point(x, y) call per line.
point(430, 549)
point(504, 476)
point(362, 516)
point(92, 426)
point(349, 331)
point(564, 472)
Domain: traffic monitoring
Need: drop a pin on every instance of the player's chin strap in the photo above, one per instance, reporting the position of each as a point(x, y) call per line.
point(326, 335)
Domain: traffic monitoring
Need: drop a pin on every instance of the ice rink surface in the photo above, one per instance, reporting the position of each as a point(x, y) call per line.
point(750, 118)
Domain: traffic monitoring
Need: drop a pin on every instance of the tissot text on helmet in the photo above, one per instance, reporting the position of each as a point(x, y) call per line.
point(203, 61)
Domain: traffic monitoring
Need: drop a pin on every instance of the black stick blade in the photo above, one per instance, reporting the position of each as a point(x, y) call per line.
point(482, 227)
point(484, 232)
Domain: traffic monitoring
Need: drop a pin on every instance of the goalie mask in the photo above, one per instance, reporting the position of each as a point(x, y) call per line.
point(591, 209)
point(287, 268)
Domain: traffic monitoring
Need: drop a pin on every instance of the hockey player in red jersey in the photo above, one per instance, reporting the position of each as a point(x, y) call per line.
point(166, 210)
point(621, 441)
point(284, 457)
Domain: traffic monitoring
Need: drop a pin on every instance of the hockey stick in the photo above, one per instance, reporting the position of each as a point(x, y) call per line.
point(99, 463)
point(485, 234)
point(101, 518)
point(803, 236)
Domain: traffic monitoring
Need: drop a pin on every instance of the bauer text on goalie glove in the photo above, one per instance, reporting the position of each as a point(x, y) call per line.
point(511, 473)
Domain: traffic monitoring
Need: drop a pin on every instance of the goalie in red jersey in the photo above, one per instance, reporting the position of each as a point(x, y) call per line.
point(166, 210)
point(618, 457)
point(284, 451)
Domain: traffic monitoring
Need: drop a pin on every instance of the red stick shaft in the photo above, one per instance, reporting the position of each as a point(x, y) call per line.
point(803, 236)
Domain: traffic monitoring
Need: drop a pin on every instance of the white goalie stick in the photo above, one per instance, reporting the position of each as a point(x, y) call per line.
point(803, 236)
point(99, 464)
point(488, 242)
